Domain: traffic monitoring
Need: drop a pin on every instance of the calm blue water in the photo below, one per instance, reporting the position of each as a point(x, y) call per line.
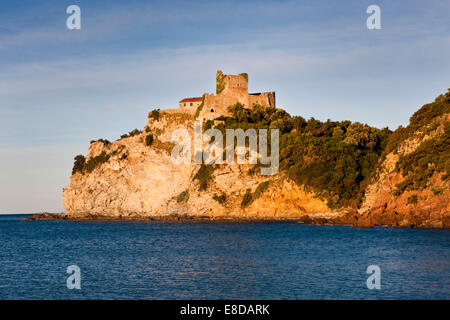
point(155, 260)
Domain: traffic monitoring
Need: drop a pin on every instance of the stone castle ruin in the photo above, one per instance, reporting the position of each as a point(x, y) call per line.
point(230, 89)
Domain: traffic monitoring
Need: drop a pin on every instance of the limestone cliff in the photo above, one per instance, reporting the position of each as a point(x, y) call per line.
point(134, 180)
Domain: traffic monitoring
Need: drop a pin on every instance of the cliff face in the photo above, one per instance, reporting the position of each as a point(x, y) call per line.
point(134, 177)
point(135, 180)
point(411, 186)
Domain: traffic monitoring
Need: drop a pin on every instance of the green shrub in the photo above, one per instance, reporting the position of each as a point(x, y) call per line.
point(104, 141)
point(155, 114)
point(183, 197)
point(149, 139)
point(132, 133)
point(78, 165)
point(247, 199)
point(260, 189)
point(82, 166)
point(94, 162)
point(203, 175)
point(221, 199)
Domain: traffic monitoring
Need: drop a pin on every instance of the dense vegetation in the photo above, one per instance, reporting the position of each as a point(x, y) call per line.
point(82, 166)
point(335, 159)
point(418, 167)
point(422, 120)
point(432, 155)
point(338, 159)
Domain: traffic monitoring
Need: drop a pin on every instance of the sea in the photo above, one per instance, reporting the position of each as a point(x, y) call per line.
point(217, 260)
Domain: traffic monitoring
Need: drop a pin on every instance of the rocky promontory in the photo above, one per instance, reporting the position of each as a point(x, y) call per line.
point(330, 173)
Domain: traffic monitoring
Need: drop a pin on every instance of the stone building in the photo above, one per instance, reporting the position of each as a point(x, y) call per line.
point(230, 89)
point(190, 102)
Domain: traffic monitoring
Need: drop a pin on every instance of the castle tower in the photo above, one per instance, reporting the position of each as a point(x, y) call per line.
point(229, 84)
point(230, 89)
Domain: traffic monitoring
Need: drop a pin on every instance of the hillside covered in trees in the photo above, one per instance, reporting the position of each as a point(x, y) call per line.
point(338, 160)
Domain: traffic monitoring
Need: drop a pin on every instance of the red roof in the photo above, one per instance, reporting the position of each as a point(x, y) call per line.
point(195, 99)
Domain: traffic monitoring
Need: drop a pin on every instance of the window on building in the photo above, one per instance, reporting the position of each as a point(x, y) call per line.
point(185, 104)
point(212, 110)
point(191, 104)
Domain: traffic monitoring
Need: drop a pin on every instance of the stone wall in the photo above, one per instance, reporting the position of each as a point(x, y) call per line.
point(193, 104)
point(235, 85)
point(232, 89)
point(263, 99)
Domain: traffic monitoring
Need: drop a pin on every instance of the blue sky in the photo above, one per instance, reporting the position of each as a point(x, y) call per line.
point(61, 88)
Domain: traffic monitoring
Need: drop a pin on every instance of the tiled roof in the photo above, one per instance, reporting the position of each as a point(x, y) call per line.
point(195, 99)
